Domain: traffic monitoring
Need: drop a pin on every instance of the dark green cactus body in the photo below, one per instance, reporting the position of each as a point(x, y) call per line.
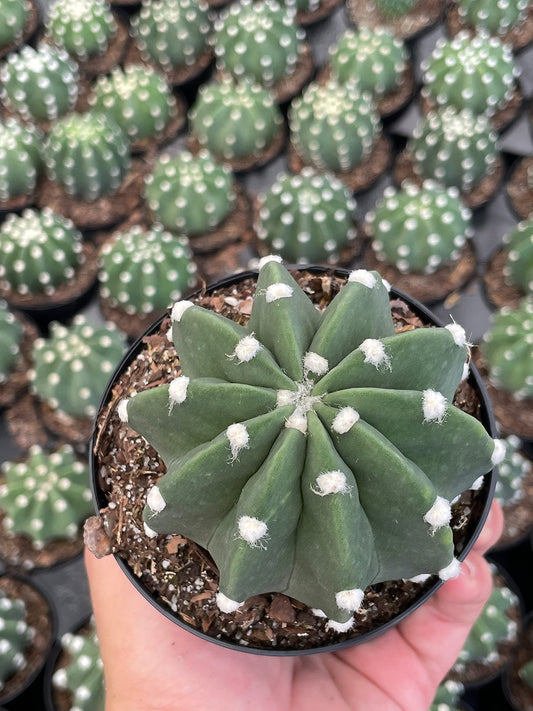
point(10, 339)
point(14, 15)
point(512, 472)
point(15, 636)
point(518, 245)
point(83, 28)
point(448, 696)
point(20, 159)
point(395, 8)
point(496, 16)
point(526, 673)
point(279, 454)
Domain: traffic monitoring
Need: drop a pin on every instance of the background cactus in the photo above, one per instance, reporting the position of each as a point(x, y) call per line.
point(419, 229)
point(16, 636)
point(518, 245)
point(448, 696)
point(306, 218)
point(20, 159)
point(14, 17)
point(83, 28)
point(395, 8)
point(512, 472)
point(526, 673)
point(88, 154)
point(39, 84)
point(45, 497)
point(11, 333)
point(278, 480)
point(496, 16)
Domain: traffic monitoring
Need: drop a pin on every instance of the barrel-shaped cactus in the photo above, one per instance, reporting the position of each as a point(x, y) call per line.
point(88, 155)
point(83, 28)
point(448, 696)
point(46, 496)
point(518, 245)
point(11, 333)
point(39, 84)
point(306, 218)
point(83, 675)
point(14, 17)
point(395, 8)
point(496, 16)
point(512, 472)
point(284, 438)
point(21, 163)
point(16, 636)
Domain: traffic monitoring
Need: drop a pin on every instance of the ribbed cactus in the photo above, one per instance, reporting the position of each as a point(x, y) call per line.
point(83, 28)
point(456, 148)
point(477, 73)
point(284, 439)
point(306, 218)
point(395, 8)
point(512, 472)
point(11, 333)
point(419, 229)
point(333, 126)
point(191, 194)
point(83, 676)
point(526, 673)
point(39, 84)
point(14, 16)
point(448, 696)
point(507, 347)
point(40, 252)
point(15, 636)
point(72, 366)
point(45, 497)
point(144, 270)
point(518, 245)
point(88, 155)
point(21, 163)
point(496, 16)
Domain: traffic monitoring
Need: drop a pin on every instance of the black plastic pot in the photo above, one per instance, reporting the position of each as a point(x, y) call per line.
point(486, 492)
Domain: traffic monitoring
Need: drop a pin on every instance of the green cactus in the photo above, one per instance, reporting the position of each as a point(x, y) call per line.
point(259, 40)
point(143, 271)
point(419, 229)
point(456, 148)
point(88, 154)
point(235, 121)
point(16, 636)
point(526, 673)
point(20, 159)
point(274, 434)
point(395, 8)
point(83, 676)
point(496, 16)
point(373, 57)
point(448, 696)
point(14, 17)
point(476, 73)
point(11, 333)
point(191, 194)
point(172, 33)
point(45, 497)
point(72, 366)
point(512, 472)
point(83, 28)
point(507, 347)
point(334, 127)
point(39, 84)
point(518, 245)
point(306, 218)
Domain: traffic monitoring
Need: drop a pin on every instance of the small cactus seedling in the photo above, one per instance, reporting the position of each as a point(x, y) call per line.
point(83, 28)
point(518, 245)
point(88, 155)
point(20, 159)
point(448, 696)
point(496, 16)
point(72, 366)
point(282, 438)
point(16, 636)
point(419, 229)
point(306, 218)
point(14, 17)
point(512, 472)
point(11, 333)
point(526, 673)
point(190, 194)
point(45, 497)
point(39, 84)
point(395, 8)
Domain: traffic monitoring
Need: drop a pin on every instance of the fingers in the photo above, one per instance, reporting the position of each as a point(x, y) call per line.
point(492, 529)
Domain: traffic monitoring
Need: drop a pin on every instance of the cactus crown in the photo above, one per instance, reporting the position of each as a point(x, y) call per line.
point(447, 696)
point(143, 271)
point(11, 332)
point(41, 251)
point(83, 28)
point(333, 126)
point(419, 229)
point(395, 8)
point(259, 40)
point(306, 218)
point(518, 245)
point(190, 193)
point(373, 57)
point(88, 154)
point(279, 479)
point(507, 347)
point(45, 497)
point(512, 472)
point(20, 159)
point(39, 84)
point(72, 366)
point(457, 148)
point(15, 636)
point(496, 16)
point(14, 15)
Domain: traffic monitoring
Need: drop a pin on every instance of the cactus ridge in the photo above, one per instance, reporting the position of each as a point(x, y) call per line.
point(11, 333)
point(496, 16)
point(20, 159)
point(83, 28)
point(279, 479)
point(512, 472)
point(14, 16)
point(16, 636)
point(518, 245)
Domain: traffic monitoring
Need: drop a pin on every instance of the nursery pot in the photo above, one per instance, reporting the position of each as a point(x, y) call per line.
point(101, 486)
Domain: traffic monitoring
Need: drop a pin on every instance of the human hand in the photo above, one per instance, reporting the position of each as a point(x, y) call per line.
point(150, 663)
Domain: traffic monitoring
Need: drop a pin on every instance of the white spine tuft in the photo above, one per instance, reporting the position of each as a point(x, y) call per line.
point(374, 352)
point(225, 604)
point(149, 531)
point(278, 291)
point(476, 486)
point(458, 333)
point(122, 409)
point(364, 277)
point(349, 599)
point(246, 349)
point(339, 626)
point(317, 612)
point(466, 371)
point(315, 363)
point(419, 578)
point(439, 514)
point(498, 452)
point(434, 405)
point(285, 397)
point(297, 421)
point(179, 308)
point(450, 571)
point(252, 530)
point(344, 420)
point(332, 482)
point(177, 390)
point(238, 437)
point(155, 500)
point(267, 259)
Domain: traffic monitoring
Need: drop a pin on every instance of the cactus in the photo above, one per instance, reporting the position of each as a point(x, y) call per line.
point(20, 159)
point(71, 367)
point(235, 121)
point(39, 84)
point(282, 439)
point(306, 218)
point(83, 676)
point(419, 229)
point(83, 28)
point(14, 17)
point(456, 148)
point(496, 16)
point(375, 58)
point(143, 271)
point(518, 245)
point(190, 194)
point(16, 636)
point(477, 73)
point(45, 497)
point(448, 696)
point(11, 333)
point(259, 40)
point(512, 472)
point(507, 348)
point(88, 154)
point(334, 127)
point(395, 8)
point(526, 673)
point(41, 251)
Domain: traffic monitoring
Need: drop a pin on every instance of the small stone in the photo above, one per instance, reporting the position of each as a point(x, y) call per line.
point(95, 538)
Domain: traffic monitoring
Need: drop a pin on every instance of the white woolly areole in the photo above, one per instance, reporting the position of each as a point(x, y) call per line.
point(458, 333)
point(450, 571)
point(225, 604)
point(278, 291)
point(419, 578)
point(177, 390)
point(498, 453)
point(317, 612)
point(285, 397)
point(374, 352)
point(149, 531)
point(332, 482)
point(476, 486)
point(155, 500)
point(122, 409)
point(439, 514)
point(267, 259)
point(246, 349)
point(315, 363)
point(339, 626)
point(349, 599)
point(179, 308)
point(238, 437)
point(297, 421)
point(466, 371)
point(344, 420)
point(364, 277)
point(252, 530)
point(386, 284)
point(434, 405)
